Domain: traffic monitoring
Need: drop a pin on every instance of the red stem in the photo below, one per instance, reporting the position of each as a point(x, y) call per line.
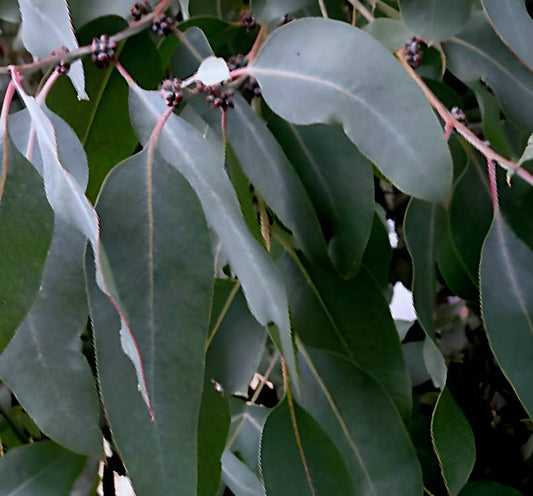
point(493, 186)
point(8, 98)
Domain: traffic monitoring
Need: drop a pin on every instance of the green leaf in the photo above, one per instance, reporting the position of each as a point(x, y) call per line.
point(339, 181)
point(239, 343)
point(453, 442)
point(471, 213)
point(103, 123)
point(269, 10)
point(26, 227)
point(434, 20)
point(70, 148)
point(477, 53)
point(282, 459)
point(43, 469)
point(159, 252)
point(305, 78)
point(527, 155)
point(507, 305)
point(213, 430)
point(46, 27)
point(188, 151)
point(44, 365)
point(247, 421)
point(421, 237)
point(83, 12)
point(362, 421)
point(391, 33)
point(514, 26)
point(239, 478)
point(378, 253)
point(71, 206)
point(486, 488)
point(350, 318)
point(9, 11)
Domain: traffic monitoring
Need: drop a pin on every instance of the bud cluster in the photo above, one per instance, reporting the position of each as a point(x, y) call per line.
point(103, 51)
point(171, 92)
point(413, 52)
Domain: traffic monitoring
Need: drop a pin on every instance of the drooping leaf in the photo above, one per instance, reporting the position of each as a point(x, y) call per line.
point(306, 78)
point(44, 365)
point(339, 181)
point(420, 233)
point(239, 343)
point(371, 439)
point(187, 150)
point(350, 318)
point(70, 148)
point(453, 442)
point(46, 27)
point(70, 205)
point(26, 227)
point(213, 428)
point(239, 478)
point(477, 53)
point(486, 488)
point(102, 123)
point(507, 305)
point(282, 457)
point(42, 468)
point(434, 20)
point(159, 251)
point(514, 26)
point(247, 421)
point(471, 213)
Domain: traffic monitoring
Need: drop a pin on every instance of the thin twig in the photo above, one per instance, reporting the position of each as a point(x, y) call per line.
point(387, 9)
point(8, 98)
point(451, 122)
point(257, 44)
point(264, 378)
point(357, 5)
point(493, 186)
point(323, 9)
point(132, 29)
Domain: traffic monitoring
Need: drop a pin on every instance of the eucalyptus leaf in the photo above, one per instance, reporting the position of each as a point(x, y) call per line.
point(46, 27)
point(187, 150)
point(453, 442)
point(514, 26)
point(478, 54)
point(434, 20)
point(372, 440)
point(42, 468)
point(507, 305)
point(159, 252)
point(304, 77)
point(391, 33)
point(44, 365)
point(486, 488)
point(239, 478)
point(26, 227)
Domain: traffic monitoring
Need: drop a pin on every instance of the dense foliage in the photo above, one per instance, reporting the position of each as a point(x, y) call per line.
point(206, 208)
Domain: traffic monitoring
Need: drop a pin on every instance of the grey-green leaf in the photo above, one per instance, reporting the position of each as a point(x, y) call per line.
point(43, 469)
point(435, 20)
point(323, 71)
point(187, 150)
point(372, 440)
point(26, 227)
point(339, 181)
point(46, 27)
point(282, 462)
point(44, 365)
point(453, 442)
point(159, 252)
point(239, 478)
point(507, 305)
point(513, 24)
point(477, 53)
point(487, 488)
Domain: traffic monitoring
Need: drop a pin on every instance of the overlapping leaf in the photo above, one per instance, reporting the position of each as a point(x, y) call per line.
point(318, 70)
point(507, 305)
point(187, 150)
point(477, 53)
point(26, 227)
point(42, 468)
point(46, 27)
point(239, 478)
point(160, 254)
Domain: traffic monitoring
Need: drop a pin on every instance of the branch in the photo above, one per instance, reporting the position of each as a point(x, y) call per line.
point(450, 123)
point(132, 29)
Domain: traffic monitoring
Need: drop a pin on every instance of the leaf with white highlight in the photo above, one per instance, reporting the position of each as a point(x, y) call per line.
point(46, 27)
point(71, 205)
point(212, 70)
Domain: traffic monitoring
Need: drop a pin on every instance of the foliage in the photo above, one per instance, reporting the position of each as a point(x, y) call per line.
point(197, 205)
